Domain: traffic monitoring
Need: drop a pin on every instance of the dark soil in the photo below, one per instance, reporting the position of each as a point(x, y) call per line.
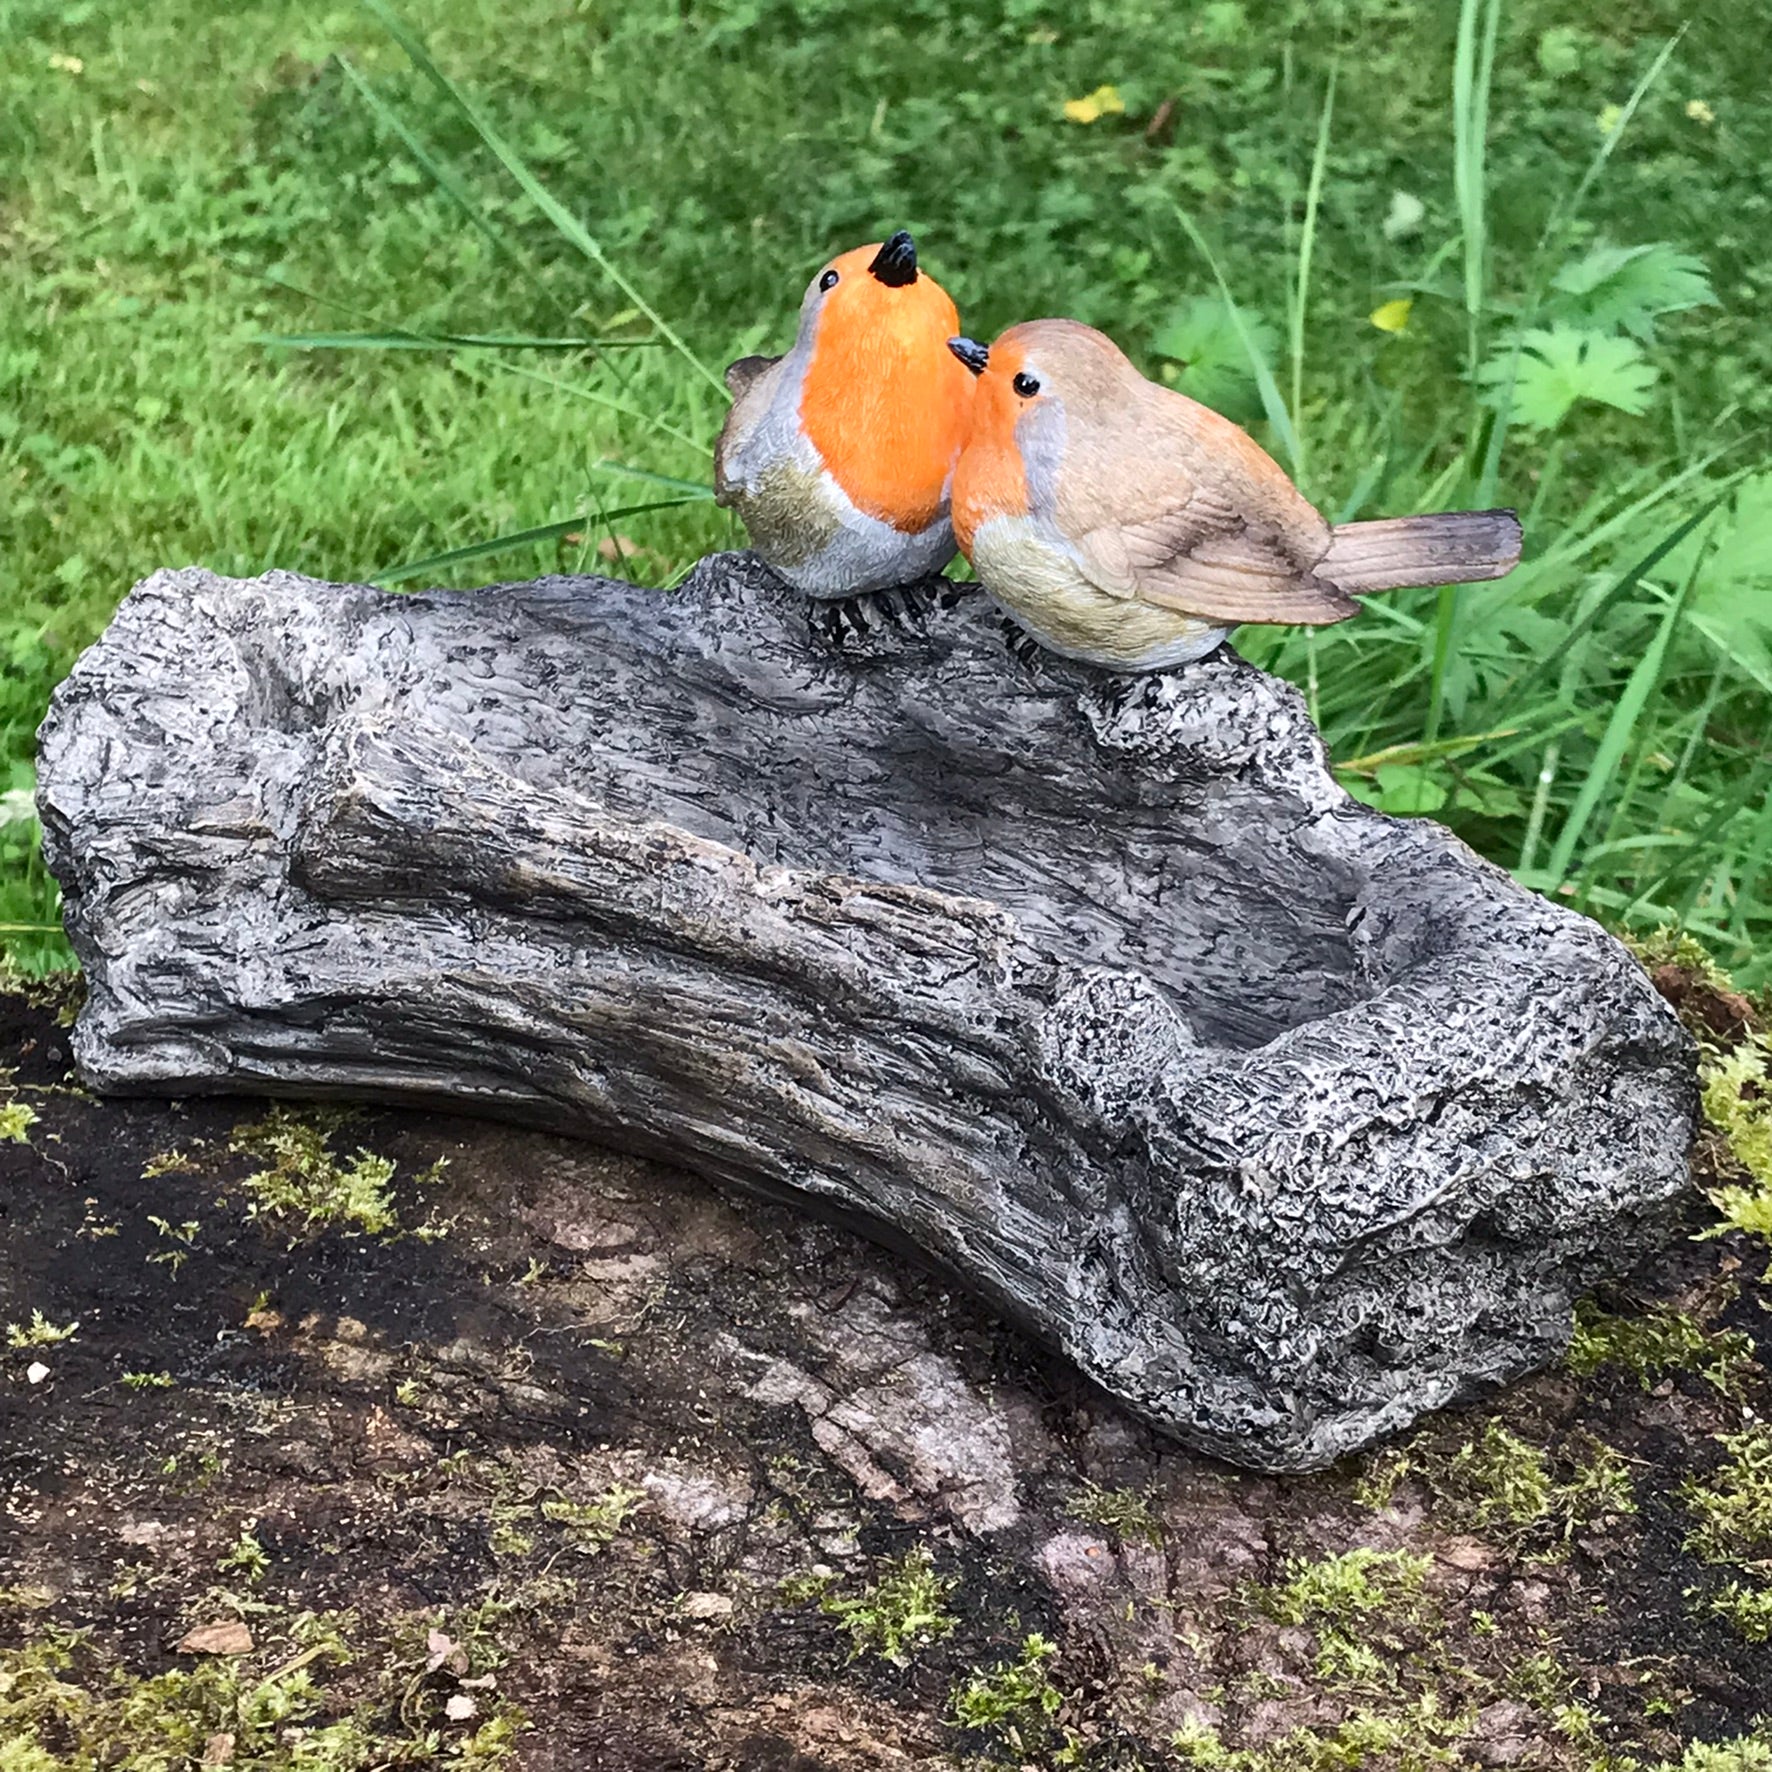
point(625, 1440)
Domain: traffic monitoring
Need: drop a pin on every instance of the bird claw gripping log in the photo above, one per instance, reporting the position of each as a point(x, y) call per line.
point(1285, 1120)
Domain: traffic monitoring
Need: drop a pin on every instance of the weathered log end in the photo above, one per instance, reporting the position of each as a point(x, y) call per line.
point(1287, 1121)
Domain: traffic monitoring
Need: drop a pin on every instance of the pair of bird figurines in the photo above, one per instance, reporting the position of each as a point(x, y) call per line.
point(1115, 521)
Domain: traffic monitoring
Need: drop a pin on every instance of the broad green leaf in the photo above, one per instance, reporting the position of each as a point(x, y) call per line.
point(1408, 789)
point(1732, 601)
point(1489, 796)
point(1559, 365)
point(1629, 286)
point(1213, 363)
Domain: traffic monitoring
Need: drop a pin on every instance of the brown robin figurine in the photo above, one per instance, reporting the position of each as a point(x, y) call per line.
point(1121, 523)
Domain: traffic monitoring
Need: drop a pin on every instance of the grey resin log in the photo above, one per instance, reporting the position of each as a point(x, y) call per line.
point(1286, 1121)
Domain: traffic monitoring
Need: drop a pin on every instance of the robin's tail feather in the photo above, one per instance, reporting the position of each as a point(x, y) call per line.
point(745, 370)
point(1452, 548)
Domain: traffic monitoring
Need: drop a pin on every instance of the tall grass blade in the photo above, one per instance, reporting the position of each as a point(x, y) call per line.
point(480, 370)
point(1423, 753)
point(439, 174)
point(1472, 66)
point(1363, 488)
point(1689, 752)
point(1752, 866)
point(697, 489)
point(1569, 206)
point(1446, 614)
point(401, 340)
point(1535, 816)
point(597, 398)
point(499, 544)
point(1307, 239)
point(1583, 536)
point(1626, 581)
point(1272, 402)
point(1700, 844)
point(566, 224)
point(1639, 691)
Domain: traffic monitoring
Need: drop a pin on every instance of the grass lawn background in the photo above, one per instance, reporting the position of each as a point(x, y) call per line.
point(179, 181)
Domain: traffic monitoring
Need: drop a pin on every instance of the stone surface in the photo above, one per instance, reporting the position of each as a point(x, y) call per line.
point(1284, 1120)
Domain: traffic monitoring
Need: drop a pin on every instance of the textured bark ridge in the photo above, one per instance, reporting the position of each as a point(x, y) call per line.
point(1286, 1121)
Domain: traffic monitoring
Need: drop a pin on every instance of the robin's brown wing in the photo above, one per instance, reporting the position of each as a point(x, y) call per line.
point(1192, 515)
point(1200, 561)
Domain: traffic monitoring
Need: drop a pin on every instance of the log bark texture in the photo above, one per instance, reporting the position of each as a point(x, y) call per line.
point(1285, 1120)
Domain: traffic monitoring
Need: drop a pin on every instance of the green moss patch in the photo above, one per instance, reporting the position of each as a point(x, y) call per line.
point(314, 1697)
point(305, 1185)
point(1016, 1703)
point(901, 1612)
point(1660, 1341)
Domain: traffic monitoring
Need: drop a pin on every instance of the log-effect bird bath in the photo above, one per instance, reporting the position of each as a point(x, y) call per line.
point(1285, 1120)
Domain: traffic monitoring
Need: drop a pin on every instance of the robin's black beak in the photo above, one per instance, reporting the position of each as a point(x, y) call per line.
point(895, 264)
point(970, 352)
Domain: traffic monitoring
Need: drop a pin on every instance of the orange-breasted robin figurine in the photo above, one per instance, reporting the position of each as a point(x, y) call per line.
point(839, 457)
point(1122, 523)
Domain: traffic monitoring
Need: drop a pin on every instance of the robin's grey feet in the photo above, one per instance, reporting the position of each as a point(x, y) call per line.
point(1022, 645)
point(903, 608)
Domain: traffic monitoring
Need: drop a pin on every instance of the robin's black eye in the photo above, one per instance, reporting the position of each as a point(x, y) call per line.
point(1025, 386)
point(828, 280)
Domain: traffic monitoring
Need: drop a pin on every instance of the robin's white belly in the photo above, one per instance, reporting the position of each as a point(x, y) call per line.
point(863, 554)
point(804, 524)
point(1029, 567)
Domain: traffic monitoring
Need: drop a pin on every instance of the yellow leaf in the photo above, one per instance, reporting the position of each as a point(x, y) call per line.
point(1104, 101)
point(1700, 112)
point(1609, 119)
point(1393, 316)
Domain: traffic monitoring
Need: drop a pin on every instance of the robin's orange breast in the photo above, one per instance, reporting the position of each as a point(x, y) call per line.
point(989, 482)
point(888, 412)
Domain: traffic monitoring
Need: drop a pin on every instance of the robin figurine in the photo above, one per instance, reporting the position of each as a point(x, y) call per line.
point(839, 457)
point(1123, 524)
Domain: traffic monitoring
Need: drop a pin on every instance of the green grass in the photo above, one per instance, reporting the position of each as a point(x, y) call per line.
point(179, 183)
